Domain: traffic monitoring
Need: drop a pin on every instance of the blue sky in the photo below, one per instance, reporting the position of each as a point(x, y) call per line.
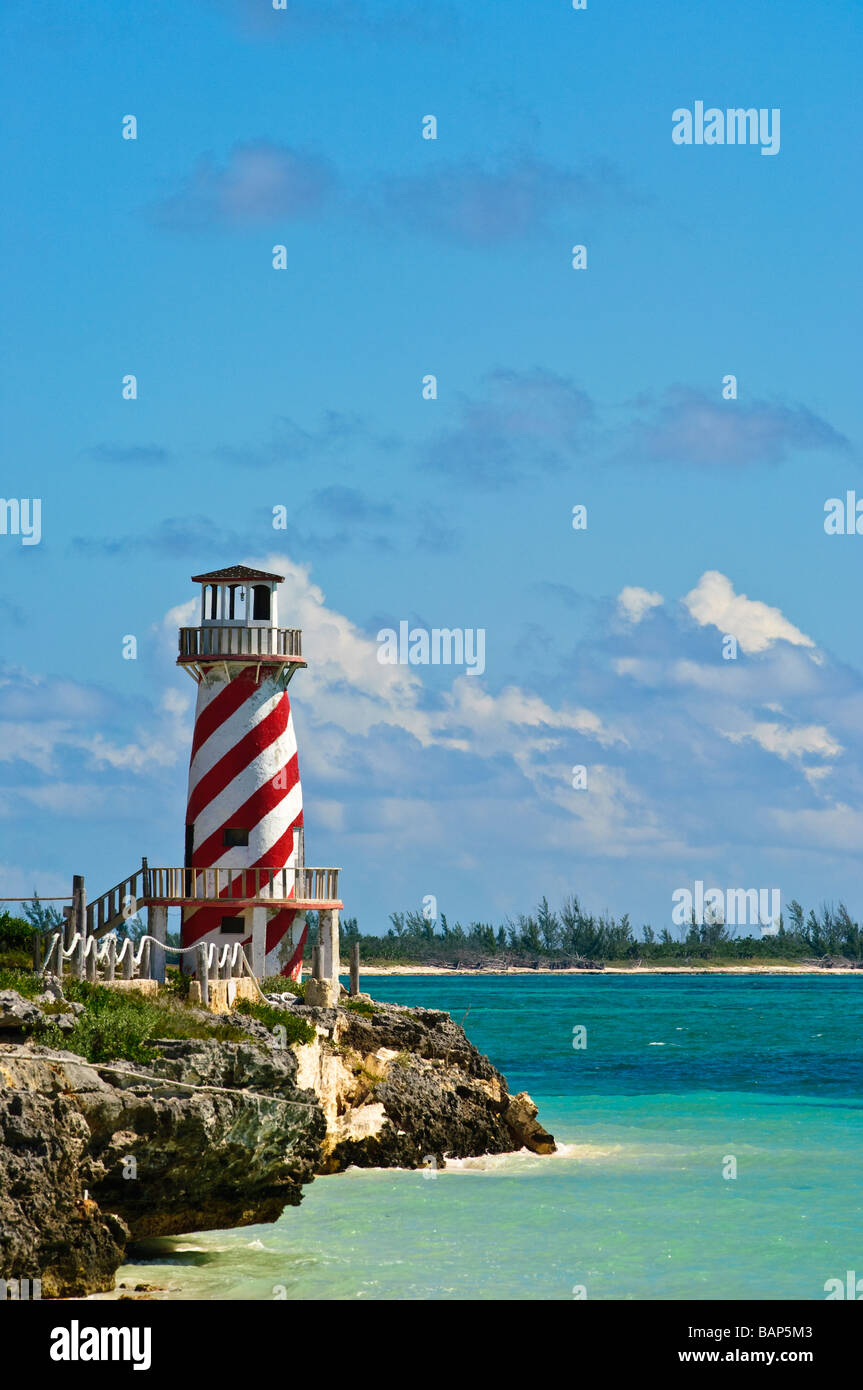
point(555, 387)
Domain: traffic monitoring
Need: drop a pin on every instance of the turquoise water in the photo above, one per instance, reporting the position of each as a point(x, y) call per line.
point(679, 1074)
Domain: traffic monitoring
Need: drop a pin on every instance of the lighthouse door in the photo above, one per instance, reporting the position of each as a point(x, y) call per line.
point(190, 848)
point(260, 603)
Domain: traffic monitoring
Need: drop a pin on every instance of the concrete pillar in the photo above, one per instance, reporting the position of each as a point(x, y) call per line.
point(355, 967)
point(157, 926)
point(297, 928)
point(203, 974)
point(259, 942)
point(328, 935)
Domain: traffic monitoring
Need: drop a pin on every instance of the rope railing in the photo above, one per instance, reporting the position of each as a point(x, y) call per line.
point(88, 953)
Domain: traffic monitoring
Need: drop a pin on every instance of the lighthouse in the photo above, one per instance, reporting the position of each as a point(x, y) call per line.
point(245, 875)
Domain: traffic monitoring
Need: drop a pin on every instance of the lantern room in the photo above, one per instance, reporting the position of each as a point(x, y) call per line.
point(239, 597)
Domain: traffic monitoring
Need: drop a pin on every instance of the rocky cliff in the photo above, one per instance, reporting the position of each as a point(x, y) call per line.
point(215, 1134)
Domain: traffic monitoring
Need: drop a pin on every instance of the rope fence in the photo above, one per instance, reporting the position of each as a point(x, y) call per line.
point(88, 953)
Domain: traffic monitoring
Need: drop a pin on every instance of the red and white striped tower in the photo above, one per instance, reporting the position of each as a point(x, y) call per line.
point(245, 807)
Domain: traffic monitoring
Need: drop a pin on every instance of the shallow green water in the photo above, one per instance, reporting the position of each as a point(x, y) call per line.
point(679, 1074)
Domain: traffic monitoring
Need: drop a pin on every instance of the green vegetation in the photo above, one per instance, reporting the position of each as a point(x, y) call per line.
point(570, 937)
point(125, 1025)
point(297, 1030)
point(359, 1006)
point(24, 981)
point(280, 984)
point(15, 933)
point(16, 940)
point(176, 983)
point(40, 918)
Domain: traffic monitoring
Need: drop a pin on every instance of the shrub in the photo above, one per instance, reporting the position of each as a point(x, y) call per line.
point(297, 1030)
point(126, 1025)
point(24, 981)
point(359, 1006)
point(15, 933)
point(280, 984)
point(176, 983)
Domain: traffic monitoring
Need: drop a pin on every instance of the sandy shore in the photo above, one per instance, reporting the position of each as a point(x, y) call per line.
point(614, 970)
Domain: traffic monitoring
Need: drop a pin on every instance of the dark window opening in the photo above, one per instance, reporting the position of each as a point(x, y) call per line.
point(210, 601)
point(261, 603)
point(233, 837)
point(233, 926)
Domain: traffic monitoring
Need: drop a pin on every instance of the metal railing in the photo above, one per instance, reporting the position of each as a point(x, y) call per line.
point(197, 642)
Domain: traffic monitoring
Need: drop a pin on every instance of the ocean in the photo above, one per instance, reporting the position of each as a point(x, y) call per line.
point(710, 1133)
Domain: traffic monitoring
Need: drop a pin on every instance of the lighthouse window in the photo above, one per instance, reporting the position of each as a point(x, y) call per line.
point(232, 926)
point(233, 836)
point(210, 601)
point(261, 603)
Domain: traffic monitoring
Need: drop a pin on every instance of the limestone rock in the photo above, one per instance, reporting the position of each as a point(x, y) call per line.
point(217, 1134)
point(214, 1135)
point(321, 994)
point(48, 1228)
point(17, 1013)
point(401, 1085)
point(520, 1116)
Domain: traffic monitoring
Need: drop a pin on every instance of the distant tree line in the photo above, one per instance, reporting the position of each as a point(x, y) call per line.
point(570, 935)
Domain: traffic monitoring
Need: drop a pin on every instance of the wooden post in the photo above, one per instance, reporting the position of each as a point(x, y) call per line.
point(59, 959)
point(90, 960)
point(69, 928)
point(203, 975)
point(79, 924)
point(79, 904)
point(111, 964)
point(355, 968)
point(144, 969)
point(128, 960)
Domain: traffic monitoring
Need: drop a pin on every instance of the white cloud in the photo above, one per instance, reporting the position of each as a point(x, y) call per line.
point(633, 603)
point(788, 743)
point(160, 746)
point(346, 686)
point(755, 624)
point(836, 829)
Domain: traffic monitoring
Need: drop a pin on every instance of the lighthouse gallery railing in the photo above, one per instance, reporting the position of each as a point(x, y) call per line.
point(179, 886)
point(241, 641)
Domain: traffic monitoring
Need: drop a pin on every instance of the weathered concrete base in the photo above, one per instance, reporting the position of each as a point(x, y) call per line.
point(321, 994)
point(149, 987)
point(224, 993)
